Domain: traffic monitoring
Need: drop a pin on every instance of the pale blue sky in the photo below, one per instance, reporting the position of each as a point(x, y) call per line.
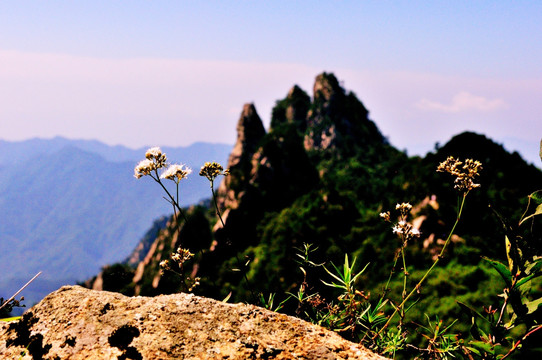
point(174, 72)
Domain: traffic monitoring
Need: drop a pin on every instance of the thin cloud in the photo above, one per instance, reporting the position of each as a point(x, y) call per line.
point(133, 100)
point(461, 102)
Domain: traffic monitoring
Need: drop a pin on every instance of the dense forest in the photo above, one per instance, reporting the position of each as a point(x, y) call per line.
point(311, 189)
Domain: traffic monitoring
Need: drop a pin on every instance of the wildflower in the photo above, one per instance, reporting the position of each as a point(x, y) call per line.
point(212, 170)
point(403, 228)
point(403, 206)
point(181, 256)
point(450, 165)
point(144, 167)
point(195, 284)
point(465, 174)
point(385, 216)
point(156, 155)
point(176, 172)
point(164, 265)
point(154, 159)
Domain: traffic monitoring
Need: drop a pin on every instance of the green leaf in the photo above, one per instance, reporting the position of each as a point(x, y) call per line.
point(537, 196)
point(510, 324)
point(473, 312)
point(359, 273)
point(11, 319)
point(537, 211)
point(502, 270)
point(509, 254)
point(526, 279)
point(534, 267)
point(474, 350)
point(488, 348)
point(227, 298)
point(532, 306)
point(532, 271)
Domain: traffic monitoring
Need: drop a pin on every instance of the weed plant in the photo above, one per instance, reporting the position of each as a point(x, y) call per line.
point(380, 322)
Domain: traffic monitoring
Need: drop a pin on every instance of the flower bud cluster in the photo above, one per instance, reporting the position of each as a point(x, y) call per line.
point(212, 169)
point(402, 228)
point(465, 174)
point(156, 155)
point(403, 208)
point(154, 160)
point(176, 172)
point(181, 256)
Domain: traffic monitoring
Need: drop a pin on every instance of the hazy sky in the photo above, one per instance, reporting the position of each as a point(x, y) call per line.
point(174, 72)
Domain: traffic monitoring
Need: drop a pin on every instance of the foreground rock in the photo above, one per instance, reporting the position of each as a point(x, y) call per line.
point(77, 323)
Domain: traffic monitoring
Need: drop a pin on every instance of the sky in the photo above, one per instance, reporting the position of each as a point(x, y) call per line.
point(171, 73)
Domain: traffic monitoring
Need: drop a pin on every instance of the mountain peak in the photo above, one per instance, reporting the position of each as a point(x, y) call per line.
point(249, 127)
point(292, 110)
point(250, 132)
point(337, 120)
point(326, 87)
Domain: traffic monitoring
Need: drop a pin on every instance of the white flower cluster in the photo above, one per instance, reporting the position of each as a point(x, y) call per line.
point(402, 228)
point(176, 172)
point(155, 159)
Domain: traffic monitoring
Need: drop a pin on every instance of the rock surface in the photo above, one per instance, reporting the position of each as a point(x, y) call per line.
point(77, 323)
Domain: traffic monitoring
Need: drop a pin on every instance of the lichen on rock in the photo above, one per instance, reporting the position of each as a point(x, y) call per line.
point(77, 323)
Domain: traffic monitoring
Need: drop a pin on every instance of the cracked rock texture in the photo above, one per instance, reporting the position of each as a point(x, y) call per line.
point(77, 323)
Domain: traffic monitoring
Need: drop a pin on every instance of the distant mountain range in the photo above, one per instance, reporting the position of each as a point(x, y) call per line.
point(69, 207)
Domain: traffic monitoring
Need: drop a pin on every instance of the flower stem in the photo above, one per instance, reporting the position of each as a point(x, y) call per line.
point(239, 264)
point(173, 202)
point(418, 285)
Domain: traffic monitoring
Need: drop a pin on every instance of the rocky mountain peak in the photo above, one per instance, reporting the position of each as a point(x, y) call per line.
point(250, 128)
point(250, 131)
point(326, 88)
point(337, 120)
point(292, 110)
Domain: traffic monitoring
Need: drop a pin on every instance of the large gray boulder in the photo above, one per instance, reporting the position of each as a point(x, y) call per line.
point(77, 323)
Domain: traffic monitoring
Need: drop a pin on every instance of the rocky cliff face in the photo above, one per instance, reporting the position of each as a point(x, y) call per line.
point(76, 323)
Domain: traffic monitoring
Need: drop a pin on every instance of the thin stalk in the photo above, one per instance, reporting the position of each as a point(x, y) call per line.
point(520, 340)
point(405, 276)
point(241, 267)
point(505, 304)
point(418, 285)
point(405, 272)
point(21, 289)
point(216, 204)
point(387, 288)
point(174, 203)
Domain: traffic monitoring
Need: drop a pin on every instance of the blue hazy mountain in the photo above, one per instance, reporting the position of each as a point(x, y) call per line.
point(68, 207)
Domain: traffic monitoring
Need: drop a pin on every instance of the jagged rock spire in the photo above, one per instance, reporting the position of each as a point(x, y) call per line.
point(250, 131)
point(338, 120)
point(292, 110)
point(326, 88)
